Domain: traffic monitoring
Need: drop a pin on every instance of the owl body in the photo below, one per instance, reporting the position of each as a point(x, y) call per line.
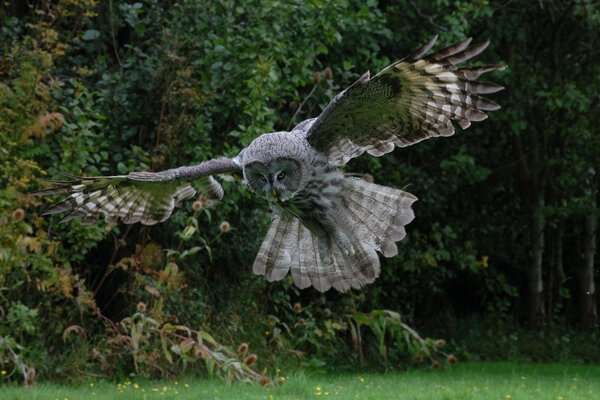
point(327, 228)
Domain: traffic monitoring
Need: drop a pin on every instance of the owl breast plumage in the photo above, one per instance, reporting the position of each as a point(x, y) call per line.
point(327, 228)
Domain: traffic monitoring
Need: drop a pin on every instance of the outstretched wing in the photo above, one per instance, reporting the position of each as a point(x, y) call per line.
point(410, 100)
point(146, 197)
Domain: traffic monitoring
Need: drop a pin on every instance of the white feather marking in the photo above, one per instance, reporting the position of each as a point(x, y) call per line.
point(123, 211)
point(453, 88)
point(102, 199)
point(432, 86)
point(432, 69)
point(446, 76)
point(90, 206)
point(456, 99)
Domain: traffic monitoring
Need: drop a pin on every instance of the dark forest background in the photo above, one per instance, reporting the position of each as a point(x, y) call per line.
point(500, 260)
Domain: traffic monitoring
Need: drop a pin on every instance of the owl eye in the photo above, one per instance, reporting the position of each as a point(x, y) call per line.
point(281, 175)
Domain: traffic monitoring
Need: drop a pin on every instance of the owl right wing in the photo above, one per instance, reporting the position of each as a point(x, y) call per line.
point(146, 197)
point(411, 100)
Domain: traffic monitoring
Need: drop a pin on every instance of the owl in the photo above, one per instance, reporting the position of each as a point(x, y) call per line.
point(327, 227)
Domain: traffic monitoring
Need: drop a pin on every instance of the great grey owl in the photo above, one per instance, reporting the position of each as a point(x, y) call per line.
point(327, 227)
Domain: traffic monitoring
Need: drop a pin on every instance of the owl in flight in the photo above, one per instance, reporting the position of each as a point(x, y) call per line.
point(327, 227)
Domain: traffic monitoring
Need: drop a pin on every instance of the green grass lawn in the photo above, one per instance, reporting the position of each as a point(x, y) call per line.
point(504, 381)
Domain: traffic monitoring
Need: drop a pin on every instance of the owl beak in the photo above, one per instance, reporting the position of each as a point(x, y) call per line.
point(274, 192)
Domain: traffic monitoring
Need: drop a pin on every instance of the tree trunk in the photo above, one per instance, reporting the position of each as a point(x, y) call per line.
point(559, 266)
point(556, 272)
point(537, 314)
point(587, 288)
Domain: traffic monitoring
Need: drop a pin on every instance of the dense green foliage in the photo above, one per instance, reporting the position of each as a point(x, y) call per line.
point(108, 87)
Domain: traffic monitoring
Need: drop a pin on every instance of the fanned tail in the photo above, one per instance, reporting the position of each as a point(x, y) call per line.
point(289, 245)
point(377, 214)
point(313, 261)
point(372, 219)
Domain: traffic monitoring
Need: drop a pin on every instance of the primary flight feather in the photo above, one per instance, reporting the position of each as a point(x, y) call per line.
point(327, 227)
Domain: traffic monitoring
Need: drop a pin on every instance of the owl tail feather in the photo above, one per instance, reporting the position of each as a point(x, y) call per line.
point(321, 262)
point(377, 214)
point(373, 219)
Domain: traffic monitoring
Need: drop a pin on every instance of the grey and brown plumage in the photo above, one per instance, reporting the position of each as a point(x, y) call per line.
point(410, 100)
point(327, 227)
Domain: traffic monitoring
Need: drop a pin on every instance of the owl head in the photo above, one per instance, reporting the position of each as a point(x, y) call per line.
point(277, 165)
point(280, 177)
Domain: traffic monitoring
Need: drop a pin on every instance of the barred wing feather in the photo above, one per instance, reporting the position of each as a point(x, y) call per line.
point(145, 197)
point(410, 100)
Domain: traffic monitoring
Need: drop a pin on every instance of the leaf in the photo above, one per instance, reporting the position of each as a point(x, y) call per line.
point(210, 366)
point(152, 290)
point(90, 34)
point(122, 168)
point(186, 345)
point(187, 233)
point(165, 347)
point(52, 121)
point(207, 338)
point(190, 252)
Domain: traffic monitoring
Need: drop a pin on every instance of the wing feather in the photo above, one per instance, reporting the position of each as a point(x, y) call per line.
point(410, 100)
point(146, 197)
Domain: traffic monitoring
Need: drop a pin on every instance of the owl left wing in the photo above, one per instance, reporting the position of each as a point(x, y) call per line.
point(146, 197)
point(411, 100)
